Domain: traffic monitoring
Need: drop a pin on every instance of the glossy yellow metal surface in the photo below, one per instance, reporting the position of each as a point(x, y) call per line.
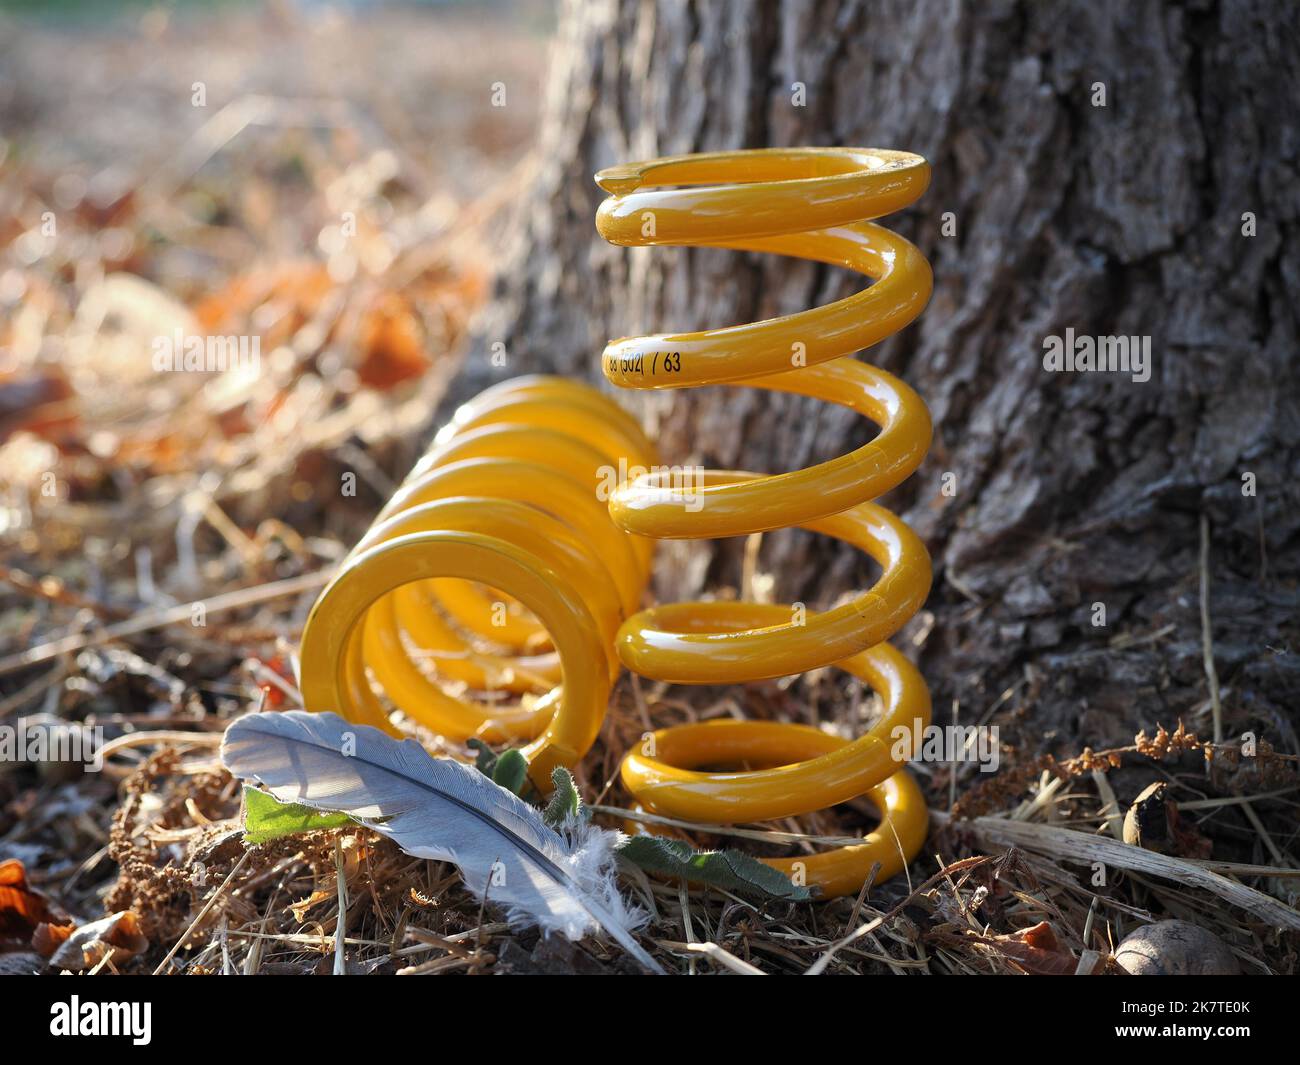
point(817, 204)
point(495, 570)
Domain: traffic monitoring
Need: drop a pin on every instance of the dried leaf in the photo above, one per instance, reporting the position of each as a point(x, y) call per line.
point(391, 341)
point(49, 937)
point(22, 910)
point(1036, 950)
point(117, 937)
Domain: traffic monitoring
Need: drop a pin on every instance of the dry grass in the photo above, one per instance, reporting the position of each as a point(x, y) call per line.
point(175, 489)
point(976, 902)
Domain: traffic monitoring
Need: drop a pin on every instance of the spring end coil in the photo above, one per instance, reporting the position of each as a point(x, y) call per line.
point(502, 500)
point(817, 204)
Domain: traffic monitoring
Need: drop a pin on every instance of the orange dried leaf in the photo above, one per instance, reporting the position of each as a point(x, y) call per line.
point(21, 908)
point(391, 342)
point(1034, 950)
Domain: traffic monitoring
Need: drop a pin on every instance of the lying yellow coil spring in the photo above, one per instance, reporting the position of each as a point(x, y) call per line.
point(812, 203)
point(504, 499)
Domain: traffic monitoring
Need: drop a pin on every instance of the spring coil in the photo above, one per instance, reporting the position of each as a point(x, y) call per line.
point(502, 500)
point(811, 203)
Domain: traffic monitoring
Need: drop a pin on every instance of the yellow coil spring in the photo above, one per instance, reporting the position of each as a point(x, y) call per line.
point(812, 203)
point(505, 499)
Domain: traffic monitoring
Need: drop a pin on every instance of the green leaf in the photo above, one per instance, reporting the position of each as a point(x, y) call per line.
point(565, 801)
point(727, 869)
point(486, 758)
point(267, 818)
point(511, 771)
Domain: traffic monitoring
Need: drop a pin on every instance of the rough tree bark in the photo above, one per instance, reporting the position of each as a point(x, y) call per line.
point(1123, 219)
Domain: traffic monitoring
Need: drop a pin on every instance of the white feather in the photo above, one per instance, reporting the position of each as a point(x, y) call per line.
point(438, 808)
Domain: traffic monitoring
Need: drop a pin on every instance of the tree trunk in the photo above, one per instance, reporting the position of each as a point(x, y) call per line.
point(1116, 169)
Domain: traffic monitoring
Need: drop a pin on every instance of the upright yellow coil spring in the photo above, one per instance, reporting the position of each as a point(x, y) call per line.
point(505, 499)
point(812, 203)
